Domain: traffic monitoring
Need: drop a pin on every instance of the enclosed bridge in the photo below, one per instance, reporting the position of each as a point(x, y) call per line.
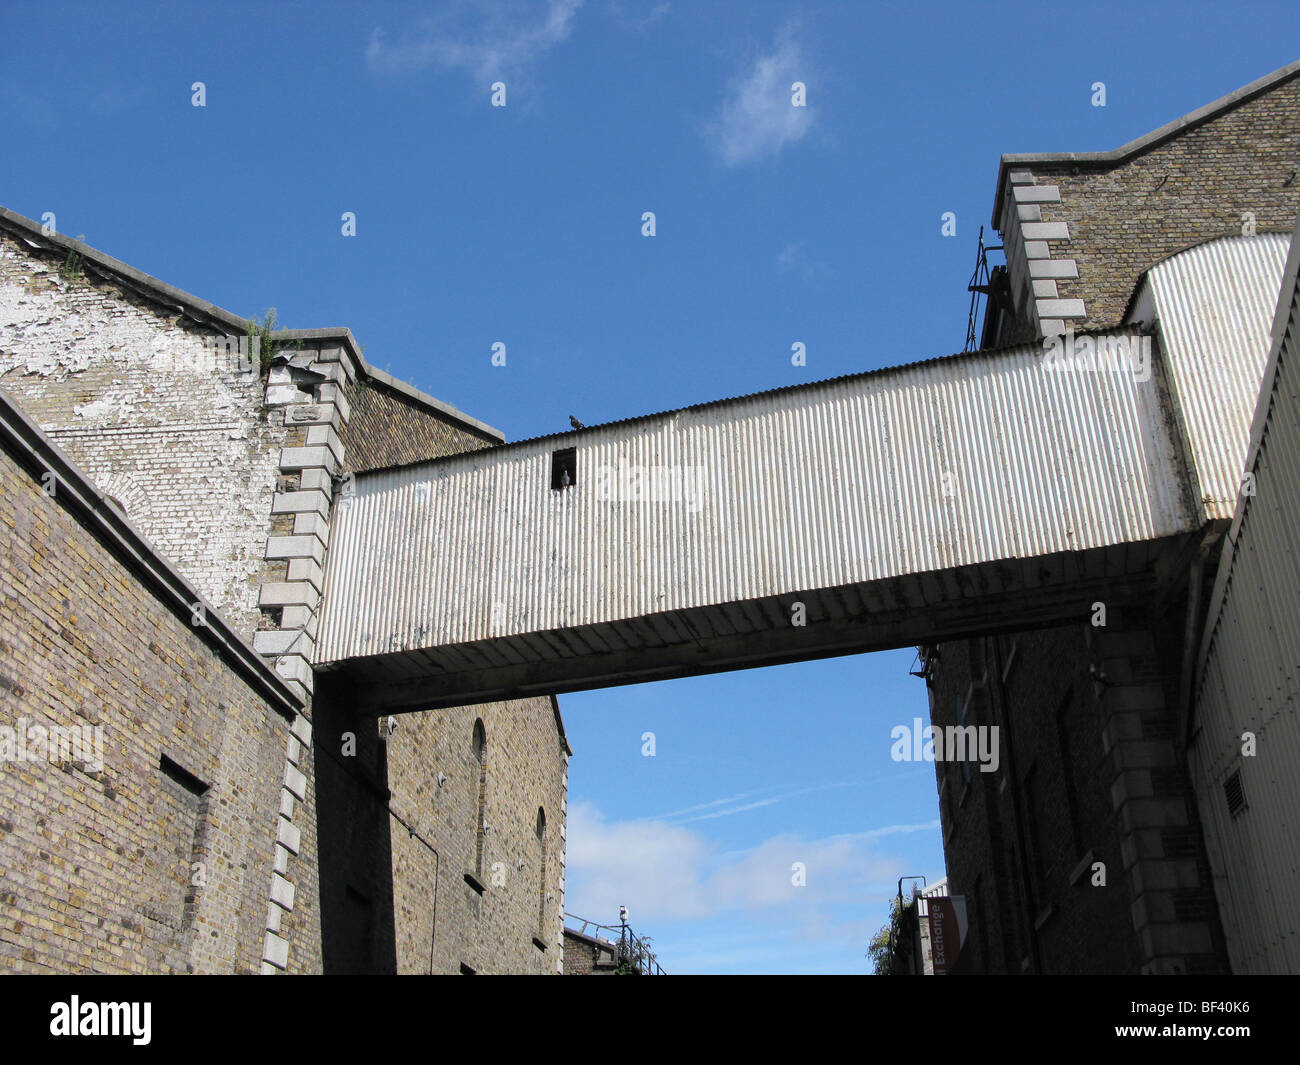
point(1000, 489)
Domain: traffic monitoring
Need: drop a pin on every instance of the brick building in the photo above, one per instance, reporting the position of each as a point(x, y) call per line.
point(587, 955)
point(1085, 852)
point(321, 839)
point(259, 818)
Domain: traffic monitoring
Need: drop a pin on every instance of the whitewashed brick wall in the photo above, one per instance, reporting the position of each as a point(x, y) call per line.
point(158, 419)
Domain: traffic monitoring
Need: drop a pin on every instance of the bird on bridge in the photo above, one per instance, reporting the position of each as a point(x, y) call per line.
point(575, 423)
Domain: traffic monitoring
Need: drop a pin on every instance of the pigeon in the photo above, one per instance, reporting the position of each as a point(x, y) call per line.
point(575, 423)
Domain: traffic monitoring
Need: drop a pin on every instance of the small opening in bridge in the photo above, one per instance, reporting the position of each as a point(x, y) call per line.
point(564, 468)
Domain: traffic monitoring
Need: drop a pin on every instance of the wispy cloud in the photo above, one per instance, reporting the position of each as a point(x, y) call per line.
point(486, 41)
point(637, 20)
point(793, 258)
point(744, 806)
point(757, 118)
point(669, 872)
point(700, 806)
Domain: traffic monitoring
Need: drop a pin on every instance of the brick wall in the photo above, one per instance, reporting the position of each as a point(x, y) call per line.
point(389, 429)
point(1089, 774)
point(582, 957)
point(1107, 783)
point(1120, 219)
point(229, 475)
point(96, 867)
point(1022, 842)
point(381, 805)
point(425, 831)
point(140, 400)
point(526, 769)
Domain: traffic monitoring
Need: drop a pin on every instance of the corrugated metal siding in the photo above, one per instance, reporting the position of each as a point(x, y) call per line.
point(832, 484)
point(1250, 681)
point(1215, 304)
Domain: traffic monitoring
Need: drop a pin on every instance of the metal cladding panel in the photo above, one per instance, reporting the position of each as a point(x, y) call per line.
point(1249, 681)
point(916, 469)
point(1215, 304)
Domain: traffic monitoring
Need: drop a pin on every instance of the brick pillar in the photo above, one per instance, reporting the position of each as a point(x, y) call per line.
point(310, 389)
point(309, 386)
point(1034, 270)
point(1174, 915)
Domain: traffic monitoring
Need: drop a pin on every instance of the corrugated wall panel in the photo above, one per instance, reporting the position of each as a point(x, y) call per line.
point(1215, 303)
point(1249, 681)
point(829, 484)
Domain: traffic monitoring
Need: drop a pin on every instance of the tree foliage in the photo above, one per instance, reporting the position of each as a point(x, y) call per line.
point(890, 949)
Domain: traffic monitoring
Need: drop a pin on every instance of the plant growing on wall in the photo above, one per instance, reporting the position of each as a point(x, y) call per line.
point(259, 339)
point(635, 957)
point(72, 270)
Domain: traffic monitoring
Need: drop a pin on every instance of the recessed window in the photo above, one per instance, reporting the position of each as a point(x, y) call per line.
point(478, 743)
point(189, 783)
point(185, 795)
point(1234, 793)
point(564, 468)
point(541, 876)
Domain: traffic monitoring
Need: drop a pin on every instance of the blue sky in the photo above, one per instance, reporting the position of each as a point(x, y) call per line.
point(522, 225)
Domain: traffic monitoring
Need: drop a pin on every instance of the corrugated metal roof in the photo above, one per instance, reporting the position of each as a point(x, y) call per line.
point(1215, 305)
point(938, 465)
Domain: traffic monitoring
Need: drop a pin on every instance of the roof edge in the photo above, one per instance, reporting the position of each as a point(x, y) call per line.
point(559, 723)
point(33, 234)
point(423, 398)
point(1258, 428)
point(1144, 278)
point(1146, 141)
point(572, 436)
point(77, 494)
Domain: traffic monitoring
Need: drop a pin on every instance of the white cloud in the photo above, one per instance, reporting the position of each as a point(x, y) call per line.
point(651, 867)
point(702, 806)
point(489, 41)
point(638, 22)
point(669, 872)
point(757, 118)
point(793, 258)
point(755, 804)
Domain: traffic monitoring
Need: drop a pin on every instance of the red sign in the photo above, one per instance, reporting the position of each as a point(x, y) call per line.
point(945, 932)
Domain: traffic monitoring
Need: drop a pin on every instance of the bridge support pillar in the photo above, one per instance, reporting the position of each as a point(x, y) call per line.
point(1173, 909)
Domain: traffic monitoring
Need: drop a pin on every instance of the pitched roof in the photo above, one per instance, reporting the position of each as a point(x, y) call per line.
point(209, 314)
point(1146, 141)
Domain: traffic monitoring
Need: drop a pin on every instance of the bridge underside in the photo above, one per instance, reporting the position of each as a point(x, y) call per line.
point(1009, 595)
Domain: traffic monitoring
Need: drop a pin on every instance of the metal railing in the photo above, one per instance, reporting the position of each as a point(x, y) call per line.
point(632, 952)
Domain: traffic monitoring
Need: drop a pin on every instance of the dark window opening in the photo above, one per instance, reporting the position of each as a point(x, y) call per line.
point(187, 797)
point(1063, 711)
point(1235, 794)
point(479, 743)
point(541, 878)
point(564, 468)
point(183, 777)
point(465, 970)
